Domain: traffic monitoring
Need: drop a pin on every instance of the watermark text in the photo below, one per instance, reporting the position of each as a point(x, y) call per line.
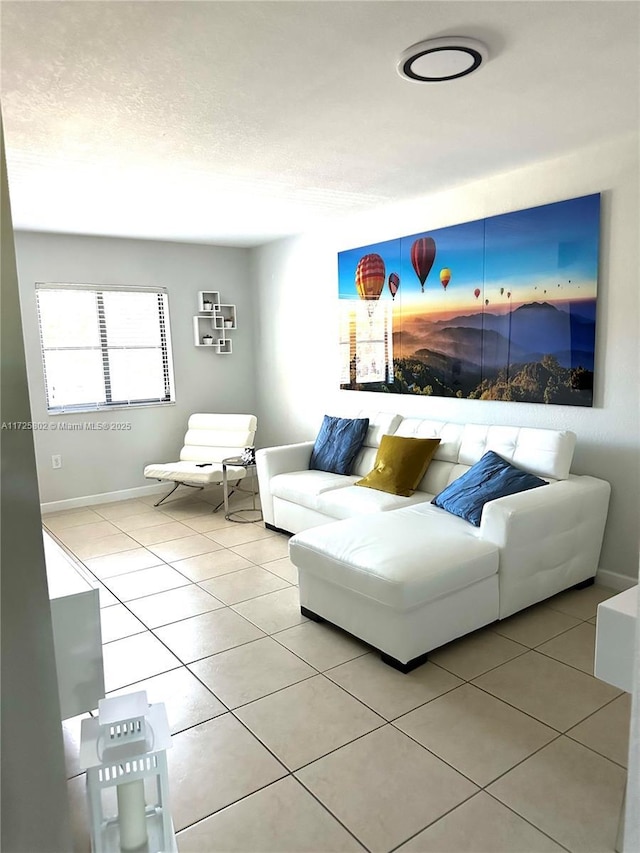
point(68, 426)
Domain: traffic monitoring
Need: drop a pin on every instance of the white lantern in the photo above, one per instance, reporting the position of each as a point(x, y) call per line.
point(122, 747)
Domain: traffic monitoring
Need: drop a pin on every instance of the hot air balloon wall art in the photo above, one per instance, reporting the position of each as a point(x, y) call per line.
point(423, 254)
point(370, 277)
point(394, 284)
point(366, 315)
point(507, 314)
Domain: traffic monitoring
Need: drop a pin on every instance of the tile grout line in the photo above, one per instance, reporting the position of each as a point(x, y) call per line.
point(264, 787)
point(526, 713)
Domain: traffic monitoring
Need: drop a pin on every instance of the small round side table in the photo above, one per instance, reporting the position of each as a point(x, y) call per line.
point(245, 515)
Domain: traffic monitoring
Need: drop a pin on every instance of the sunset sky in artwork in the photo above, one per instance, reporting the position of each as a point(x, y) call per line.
point(541, 254)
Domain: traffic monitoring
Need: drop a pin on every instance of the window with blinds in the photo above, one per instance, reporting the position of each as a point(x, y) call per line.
point(104, 346)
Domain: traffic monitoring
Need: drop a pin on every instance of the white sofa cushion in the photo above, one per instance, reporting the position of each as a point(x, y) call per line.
point(305, 487)
point(545, 452)
point(353, 500)
point(438, 476)
point(400, 559)
point(380, 423)
point(450, 435)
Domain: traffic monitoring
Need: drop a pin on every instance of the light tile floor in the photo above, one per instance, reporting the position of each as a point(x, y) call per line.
point(292, 736)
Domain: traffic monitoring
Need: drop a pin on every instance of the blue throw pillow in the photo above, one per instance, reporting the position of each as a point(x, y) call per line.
point(338, 443)
point(490, 478)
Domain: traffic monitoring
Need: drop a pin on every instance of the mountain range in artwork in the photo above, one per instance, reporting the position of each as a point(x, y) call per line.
point(506, 312)
point(538, 353)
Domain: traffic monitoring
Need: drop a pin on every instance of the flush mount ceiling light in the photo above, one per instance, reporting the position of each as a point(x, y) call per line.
point(440, 59)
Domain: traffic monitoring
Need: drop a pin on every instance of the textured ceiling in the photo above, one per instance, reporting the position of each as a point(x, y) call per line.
point(239, 122)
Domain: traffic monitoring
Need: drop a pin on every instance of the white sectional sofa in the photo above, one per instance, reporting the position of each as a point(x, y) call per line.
point(406, 576)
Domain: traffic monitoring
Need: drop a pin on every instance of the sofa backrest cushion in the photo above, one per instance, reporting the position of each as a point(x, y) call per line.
point(380, 423)
point(543, 452)
point(450, 435)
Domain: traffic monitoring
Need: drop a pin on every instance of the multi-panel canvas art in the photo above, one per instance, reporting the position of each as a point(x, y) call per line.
point(502, 308)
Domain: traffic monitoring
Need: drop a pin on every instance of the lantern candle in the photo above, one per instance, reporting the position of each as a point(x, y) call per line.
point(132, 816)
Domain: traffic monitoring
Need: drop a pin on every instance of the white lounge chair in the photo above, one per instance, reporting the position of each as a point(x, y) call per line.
point(209, 439)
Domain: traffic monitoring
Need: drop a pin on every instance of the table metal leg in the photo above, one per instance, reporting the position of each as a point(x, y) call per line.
point(225, 490)
point(254, 488)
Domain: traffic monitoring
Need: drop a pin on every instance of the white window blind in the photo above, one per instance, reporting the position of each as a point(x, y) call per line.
point(104, 346)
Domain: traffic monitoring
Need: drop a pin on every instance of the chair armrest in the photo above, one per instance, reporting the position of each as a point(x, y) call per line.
point(550, 538)
point(271, 461)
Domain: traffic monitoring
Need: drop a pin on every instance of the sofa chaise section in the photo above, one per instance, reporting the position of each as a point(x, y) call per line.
point(402, 581)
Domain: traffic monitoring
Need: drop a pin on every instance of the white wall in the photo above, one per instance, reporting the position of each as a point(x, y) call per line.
point(297, 334)
point(101, 462)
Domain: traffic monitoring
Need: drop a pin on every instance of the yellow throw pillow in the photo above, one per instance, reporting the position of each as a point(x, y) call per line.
point(400, 464)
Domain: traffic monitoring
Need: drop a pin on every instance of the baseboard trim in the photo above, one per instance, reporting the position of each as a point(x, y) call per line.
point(614, 580)
point(104, 498)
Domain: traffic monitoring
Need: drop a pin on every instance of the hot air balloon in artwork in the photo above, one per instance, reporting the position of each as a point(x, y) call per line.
point(423, 254)
point(476, 292)
point(394, 284)
point(501, 291)
point(509, 295)
point(486, 301)
point(370, 276)
point(445, 277)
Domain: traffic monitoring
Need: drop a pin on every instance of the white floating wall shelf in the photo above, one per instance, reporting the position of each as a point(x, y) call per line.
point(213, 321)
